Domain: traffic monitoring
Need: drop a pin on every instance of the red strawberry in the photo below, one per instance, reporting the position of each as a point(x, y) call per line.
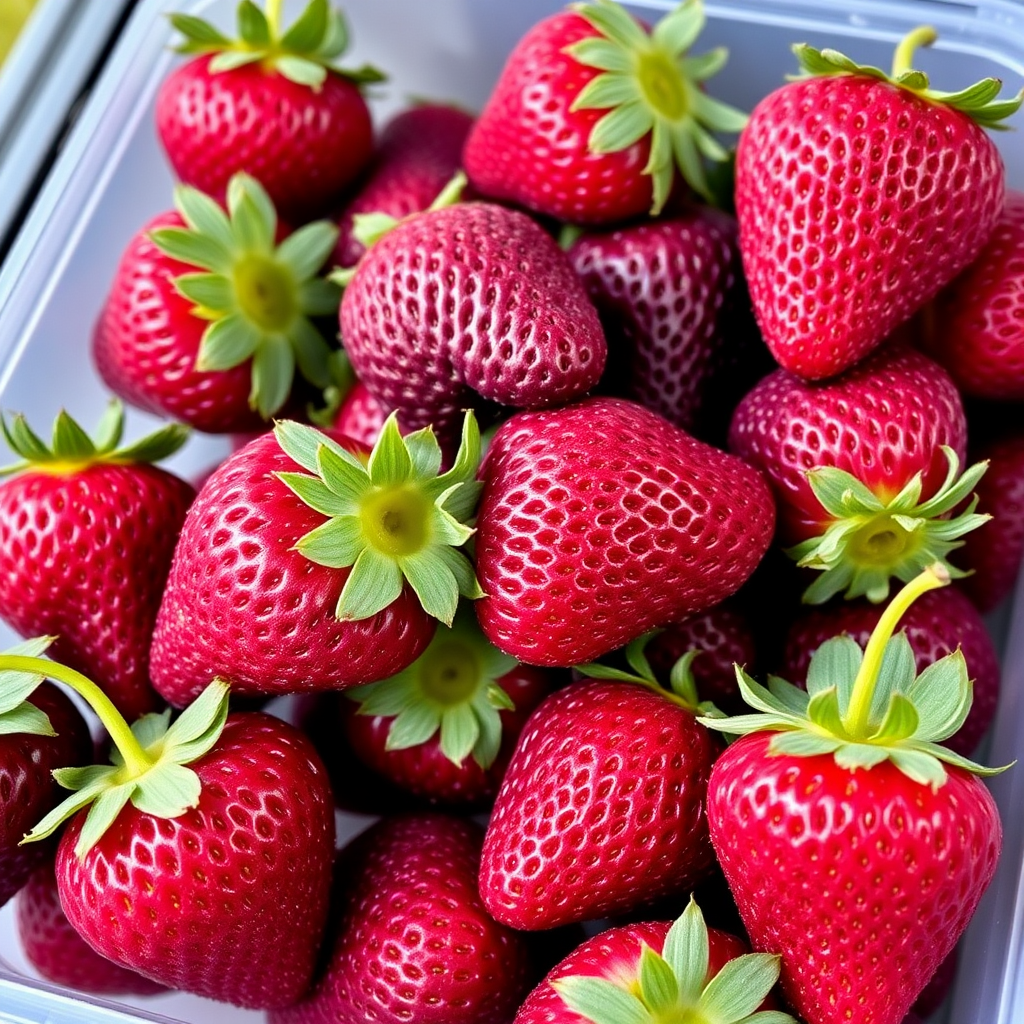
point(418, 153)
point(593, 113)
point(976, 331)
point(601, 521)
point(412, 941)
point(658, 971)
point(271, 103)
point(602, 806)
point(287, 581)
point(463, 299)
point(40, 730)
point(860, 196)
point(87, 531)
point(208, 318)
point(936, 624)
point(59, 953)
point(864, 469)
point(850, 848)
point(360, 416)
point(994, 554)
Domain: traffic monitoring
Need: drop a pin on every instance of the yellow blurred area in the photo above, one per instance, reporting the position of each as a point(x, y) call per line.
point(12, 16)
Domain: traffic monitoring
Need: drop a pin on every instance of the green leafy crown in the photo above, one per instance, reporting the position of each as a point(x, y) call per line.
point(673, 985)
point(258, 296)
point(71, 448)
point(870, 541)
point(650, 86)
point(303, 53)
point(393, 518)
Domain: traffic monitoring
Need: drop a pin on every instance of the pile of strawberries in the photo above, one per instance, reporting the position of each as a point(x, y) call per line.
point(610, 397)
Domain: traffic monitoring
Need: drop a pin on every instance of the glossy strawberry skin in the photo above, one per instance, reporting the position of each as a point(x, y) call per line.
point(146, 342)
point(977, 332)
point(84, 556)
point(601, 809)
point(229, 900)
point(418, 154)
point(412, 941)
point(600, 521)
point(360, 416)
point(468, 301)
point(882, 422)
point(303, 145)
point(241, 604)
point(59, 953)
point(936, 624)
point(528, 147)
point(863, 880)
point(857, 202)
point(995, 552)
point(28, 791)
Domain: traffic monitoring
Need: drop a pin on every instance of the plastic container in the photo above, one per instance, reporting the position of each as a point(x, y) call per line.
point(111, 177)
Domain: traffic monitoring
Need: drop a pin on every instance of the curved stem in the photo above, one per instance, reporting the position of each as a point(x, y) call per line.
point(274, 19)
point(136, 760)
point(903, 59)
point(856, 718)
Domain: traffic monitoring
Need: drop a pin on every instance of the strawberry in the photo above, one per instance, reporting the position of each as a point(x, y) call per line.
point(444, 728)
point(208, 317)
point(601, 521)
point(933, 995)
point(59, 953)
point(286, 581)
point(602, 806)
point(935, 625)
point(852, 850)
point(656, 971)
point(418, 153)
point(496, 309)
point(859, 196)
point(271, 103)
point(87, 532)
point(593, 113)
point(40, 730)
point(201, 856)
point(360, 416)
point(865, 469)
point(994, 555)
point(412, 941)
point(975, 330)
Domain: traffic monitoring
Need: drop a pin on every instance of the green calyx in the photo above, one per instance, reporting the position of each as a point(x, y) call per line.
point(343, 379)
point(869, 541)
point(672, 987)
point(868, 706)
point(71, 449)
point(304, 52)
point(980, 101)
point(394, 519)
point(258, 296)
point(149, 763)
point(650, 86)
point(452, 688)
point(17, 715)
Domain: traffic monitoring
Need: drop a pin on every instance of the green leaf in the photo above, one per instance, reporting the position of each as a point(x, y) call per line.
point(459, 732)
point(461, 500)
point(192, 248)
point(414, 726)
point(942, 696)
point(607, 90)
point(374, 582)
point(390, 463)
point(250, 222)
point(335, 38)
point(613, 22)
point(823, 711)
point(462, 570)
point(770, 1017)
point(273, 370)
point(741, 725)
point(601, 1002)
point(948, 756)
point(756, 695)
point(621, 128)
point(308, 31)
point(679, 29)
point(232, 59)
point(66, 809)
point(425, 453)
point(23, 441)
point(658, 987)
point(919, 766)
point(17, 687)
point(306, 250)
point(227, 343)
point(319, 297)
point(688, 160)
point(337, 544)
point(852, 756)
point(197, 30)
point(317, 495)
point(686, 952)
point(803, 744)
point(717, 115)
point(840, 493)
point(148, 730)
point(301, 443)
point(301, 71)
point(387, 698)
point(204, 215)
point(252, 24)
point(447, 529)
point(791, 697)
point(102, 814)
point(154, 447)
point(212, 291)
point(467, 459)
point(681, 679)
point(312, 353)
point(601, 54)
point(434, 584)
point(706, 65)
point(740, 987)
point(369, 228)
point(349, 482)
point(488, 744)
point(167, 790)
point(200, 724)
point(25, 718)
point(835, 663)
point(70, 441)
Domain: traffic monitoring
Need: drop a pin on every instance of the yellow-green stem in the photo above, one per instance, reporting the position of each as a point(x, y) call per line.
point(903, 59)
point(274, 18)
point(136, 760)
point(857, 714)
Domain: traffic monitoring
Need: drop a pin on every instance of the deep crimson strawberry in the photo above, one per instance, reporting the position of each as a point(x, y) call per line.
point(593, 113)
point(87, 532)
point(418, 153)
point(59, 953)
point(412, 941)
point(936, 624)
point(864, 469)
point(270, 103)
point(600, 521)
point(360, 416)
point(601, 808)
point(859, 196)
point(976, 329)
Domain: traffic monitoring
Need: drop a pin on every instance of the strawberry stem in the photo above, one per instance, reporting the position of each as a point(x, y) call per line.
point(856, 721)
point(136, 760)
point(903, 58)
point(274, 18)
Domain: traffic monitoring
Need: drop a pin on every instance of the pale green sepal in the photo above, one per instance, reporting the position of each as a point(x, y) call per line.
point(635, 656)
point(681, 680)
point(943, 693)
point(167, 791)
point(374, 582)
point(496, 697)
point(317, 495)
point(227, 343)
point(199, 726)
point(386, 698)
point(488, 743)
point(306, 250)
point(459, 565)
point(252, 24)
point(823, 711)
point(852, 756)
point(461, 499)
point(301, 71)
point(741, 725)
point(273, 369)
point(770, 1017)
point(233, 59)
point(308, 30)
point(147, 730)
point(947, 756)
point(192, 248)
point(369, 228)
point(686, 952)
point(413, 726)
point(200, 35)
point(595, 670)
point(757, 696)
point(312, 354)
point(460, 731)
point(606, 91)
point(797, 744)
point(68, 436)
point(658, 986)
point(434, 584)
point(16, 715)
point(601, 1002)
point(203, 214)
point(335, 544)
point(900, 722)
point(451, 193)
point(344, 476)
point(69, 807)
point(613, 22)
point(834, 664)
point(319, 297)
point(212, 291)
point(102, 814)
point(740, 987)
point(896, 675)
point(27, 719)
point(390, 463)
point(601, 54)
point(679, 29)
point(919, 766)
point(424, 451)
point(791, 697)
point(620, 128)
point(301, 443)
